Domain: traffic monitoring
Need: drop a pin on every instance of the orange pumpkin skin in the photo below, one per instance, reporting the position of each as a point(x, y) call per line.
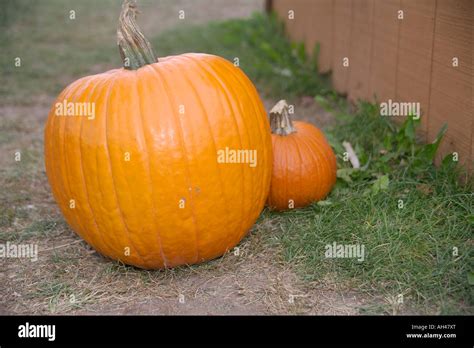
point(304, 168)
point(171, 203)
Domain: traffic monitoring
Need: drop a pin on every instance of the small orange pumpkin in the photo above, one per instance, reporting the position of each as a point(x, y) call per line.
point(141, 180)
point(304, 164)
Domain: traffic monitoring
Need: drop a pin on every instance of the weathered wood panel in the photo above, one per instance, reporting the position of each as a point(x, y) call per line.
point(451, 86)
point(406, 59)
point(321, 19)
point(342, 34)
point(384, 58)
point(415, 51)
point(360, 49)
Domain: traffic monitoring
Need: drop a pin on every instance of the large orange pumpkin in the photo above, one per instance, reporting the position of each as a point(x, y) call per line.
point(159, 176)
point(304, 164)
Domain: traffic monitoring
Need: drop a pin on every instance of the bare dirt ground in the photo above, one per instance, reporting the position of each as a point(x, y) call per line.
point(70, 278)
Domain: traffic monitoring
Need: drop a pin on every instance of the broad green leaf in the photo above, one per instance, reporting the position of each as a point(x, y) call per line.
point(380, 184)
point(470, 219)
point(335, 144)
point(428, 152)
point(410, 130)
point(323, 102)
point(324, 203)
point(470, 278)
point(316, 50)
point(345, 174)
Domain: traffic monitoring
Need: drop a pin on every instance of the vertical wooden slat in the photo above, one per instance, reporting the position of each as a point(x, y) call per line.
point(415, 51)
point(451, 87)
point(318, 16)
point(383, 72)
point(312, 23)
point(268, 5)
point(297, 26)
point(360, 49)
point(341, 43)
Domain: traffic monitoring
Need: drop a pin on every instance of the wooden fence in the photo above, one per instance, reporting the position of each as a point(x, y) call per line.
point(403, 50)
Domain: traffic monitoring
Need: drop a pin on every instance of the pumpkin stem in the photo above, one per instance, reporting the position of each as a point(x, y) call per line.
point(280, 121)
point(134, 48)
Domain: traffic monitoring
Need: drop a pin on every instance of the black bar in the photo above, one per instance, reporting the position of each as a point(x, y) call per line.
point(290, 330)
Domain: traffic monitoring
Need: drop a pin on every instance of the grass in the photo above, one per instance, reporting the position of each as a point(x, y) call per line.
point(277, 66)
point(43, 228)
point(48, 227)
point(416, 228)
point(409, 250)
point(48, 42)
